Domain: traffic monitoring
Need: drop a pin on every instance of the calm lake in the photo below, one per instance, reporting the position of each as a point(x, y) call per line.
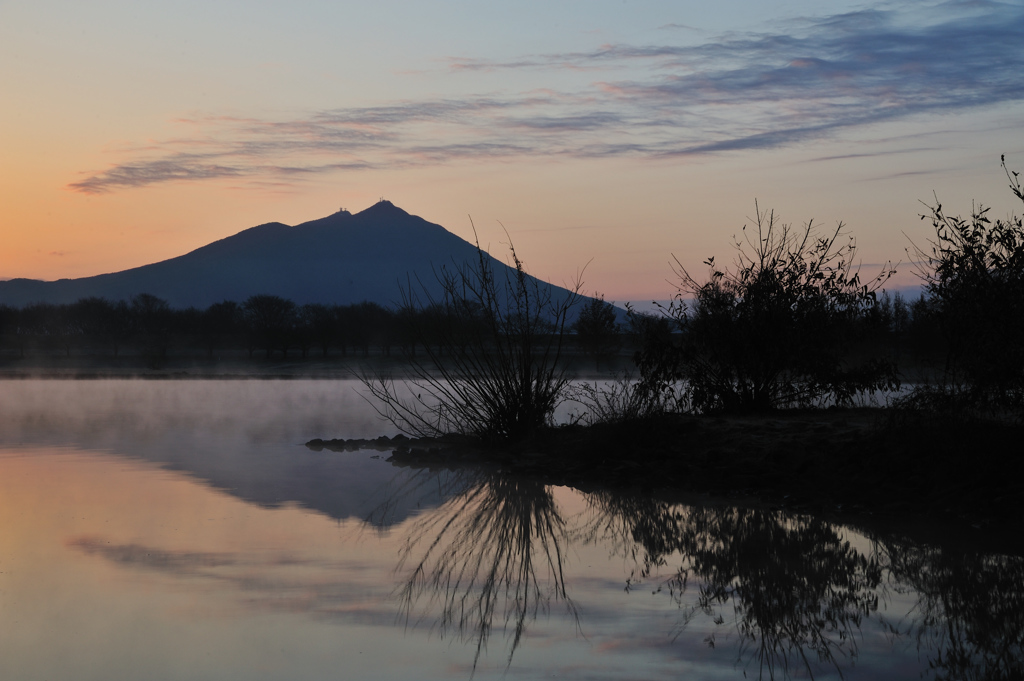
point(181, 530)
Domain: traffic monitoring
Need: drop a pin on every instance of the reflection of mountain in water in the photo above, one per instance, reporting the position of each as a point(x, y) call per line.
point(360, 484)
point(243, 437)
point(341, 485)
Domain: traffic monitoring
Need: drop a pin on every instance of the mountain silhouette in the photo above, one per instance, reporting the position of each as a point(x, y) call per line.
point(340, 259)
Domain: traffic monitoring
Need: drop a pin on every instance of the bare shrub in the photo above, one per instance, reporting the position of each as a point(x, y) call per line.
point(492, 355)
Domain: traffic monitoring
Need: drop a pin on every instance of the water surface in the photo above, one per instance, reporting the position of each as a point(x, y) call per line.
point(180, 530)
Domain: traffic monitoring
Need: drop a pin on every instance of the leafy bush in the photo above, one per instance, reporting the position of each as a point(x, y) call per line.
point(774, 331)
point(974, 275)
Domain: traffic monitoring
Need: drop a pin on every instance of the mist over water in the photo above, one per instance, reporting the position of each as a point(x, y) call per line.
point(231, 410)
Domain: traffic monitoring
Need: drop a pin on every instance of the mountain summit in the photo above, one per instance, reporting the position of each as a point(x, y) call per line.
point(340, 259)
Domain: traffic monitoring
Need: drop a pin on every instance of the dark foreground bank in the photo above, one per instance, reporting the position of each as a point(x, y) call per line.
point(894, 468)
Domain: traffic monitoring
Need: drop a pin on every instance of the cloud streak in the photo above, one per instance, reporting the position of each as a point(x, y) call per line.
point(261, 583)
point(741, 92)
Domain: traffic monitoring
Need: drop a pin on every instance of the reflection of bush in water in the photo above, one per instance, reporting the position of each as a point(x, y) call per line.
point(796, 585)
point(478, 557)
point(790, 590)
point(970, 613)
point(798, 590)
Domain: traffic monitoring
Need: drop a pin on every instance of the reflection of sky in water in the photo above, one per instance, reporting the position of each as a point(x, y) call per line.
point(178, 530)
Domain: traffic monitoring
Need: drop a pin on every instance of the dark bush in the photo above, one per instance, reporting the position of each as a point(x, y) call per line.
point(974, 276)
point(774, 331)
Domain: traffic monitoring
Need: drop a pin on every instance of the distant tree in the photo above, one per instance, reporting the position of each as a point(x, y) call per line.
point(900, 315)
point(408, 321)
point(597, 329)
point(187, 326)
point(49, 325)
point(342, 332)
point(93, 316)
point(302, 332)
point(889, 320)
point(646, 327)
point(367, 324)
point(322, 325)
point(151, 319)
point(120, 325)
point(350, 334)
point(924, 337)
point(218, 324)
point(271, 320)
point(10, 326)
point(104, 322)
point(69, 331)
point(433, 324)
point(383, 325)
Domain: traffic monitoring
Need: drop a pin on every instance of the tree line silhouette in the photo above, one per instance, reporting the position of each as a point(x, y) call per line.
point(263, 325)
point(272, 327)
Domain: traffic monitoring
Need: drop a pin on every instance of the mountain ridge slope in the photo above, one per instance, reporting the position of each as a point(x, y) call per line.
point(342, 258)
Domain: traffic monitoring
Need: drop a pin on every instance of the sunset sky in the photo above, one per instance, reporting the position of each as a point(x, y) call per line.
point(616, 133)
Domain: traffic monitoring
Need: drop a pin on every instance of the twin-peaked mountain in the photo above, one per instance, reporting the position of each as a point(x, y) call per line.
point(340, 259)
